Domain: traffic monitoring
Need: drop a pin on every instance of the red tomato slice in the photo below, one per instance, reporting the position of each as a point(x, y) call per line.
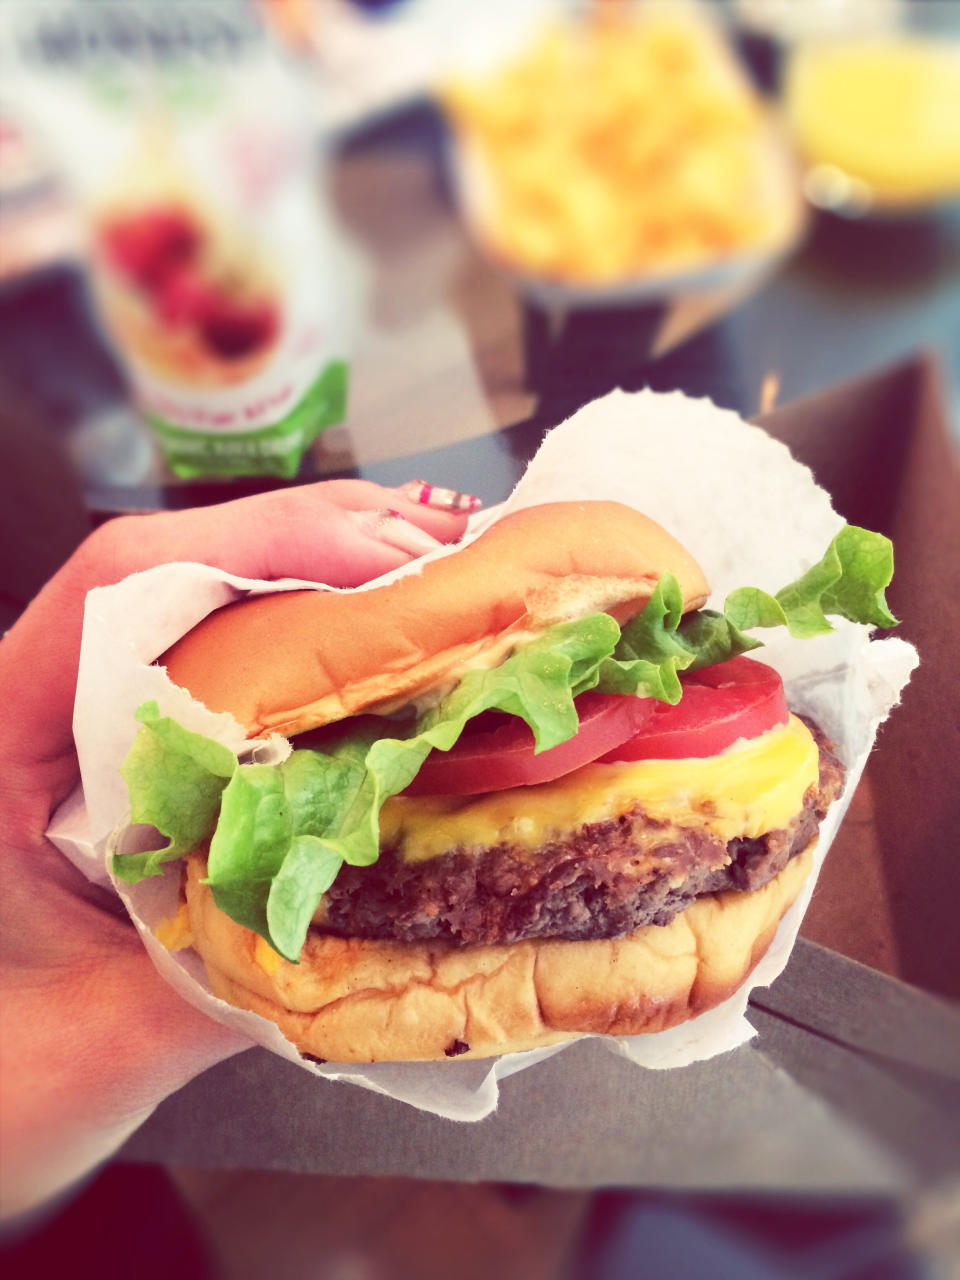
point(741, 698)
point(497, 751)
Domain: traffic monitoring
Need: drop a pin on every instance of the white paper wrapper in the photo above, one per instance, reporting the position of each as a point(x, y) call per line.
point(737, 500)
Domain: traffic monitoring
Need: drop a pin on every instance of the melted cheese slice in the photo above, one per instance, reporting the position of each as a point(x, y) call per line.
point(265, 956)
point(755, 786)
point(174, 932)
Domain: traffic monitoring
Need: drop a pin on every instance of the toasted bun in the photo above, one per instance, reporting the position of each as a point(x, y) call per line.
point(295, 660)
point(354, 1000)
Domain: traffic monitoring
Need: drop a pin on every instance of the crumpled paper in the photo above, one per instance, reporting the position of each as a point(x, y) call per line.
point(738, 501)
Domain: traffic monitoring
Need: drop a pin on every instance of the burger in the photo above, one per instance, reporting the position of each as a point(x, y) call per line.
point(536, 790)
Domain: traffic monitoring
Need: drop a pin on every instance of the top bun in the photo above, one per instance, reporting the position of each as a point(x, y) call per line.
point(299, 659)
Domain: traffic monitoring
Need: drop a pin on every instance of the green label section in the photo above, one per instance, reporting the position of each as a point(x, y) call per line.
point(274, 450)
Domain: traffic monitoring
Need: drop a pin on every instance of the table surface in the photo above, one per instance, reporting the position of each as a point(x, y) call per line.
point(456, 379)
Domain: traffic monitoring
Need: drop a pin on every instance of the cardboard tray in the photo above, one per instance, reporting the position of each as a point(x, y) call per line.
point(884, 449)
point(853, 1083)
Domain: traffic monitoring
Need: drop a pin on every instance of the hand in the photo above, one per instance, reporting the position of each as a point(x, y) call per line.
point(93, 1038)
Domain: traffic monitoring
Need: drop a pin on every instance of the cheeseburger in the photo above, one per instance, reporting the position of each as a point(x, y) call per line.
point(536, 790)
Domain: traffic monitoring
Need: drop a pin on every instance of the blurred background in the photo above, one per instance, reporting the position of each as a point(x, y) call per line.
point(245, 242)
point(250, 244)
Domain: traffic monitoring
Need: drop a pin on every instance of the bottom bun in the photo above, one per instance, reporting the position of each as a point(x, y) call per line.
point(361, 1000)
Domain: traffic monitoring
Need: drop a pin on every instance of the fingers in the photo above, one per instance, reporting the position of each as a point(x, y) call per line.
point(431, 495)
point(342, 532)
point(326, 542)
point(393, 528)
point(298, 532)
point(434, 509)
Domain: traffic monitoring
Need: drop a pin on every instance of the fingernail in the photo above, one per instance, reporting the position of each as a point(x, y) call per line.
point(391, 527)
point(429, 495)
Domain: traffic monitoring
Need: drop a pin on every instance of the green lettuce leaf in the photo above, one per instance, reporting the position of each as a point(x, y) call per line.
point(849, 582)
point(650, 652)
point(660, 642)
point(174, 779)
point(281, 833)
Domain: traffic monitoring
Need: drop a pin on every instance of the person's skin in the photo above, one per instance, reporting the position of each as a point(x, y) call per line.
point(91, 1037)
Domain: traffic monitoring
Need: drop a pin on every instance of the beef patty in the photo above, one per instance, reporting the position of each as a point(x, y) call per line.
point(601, 880)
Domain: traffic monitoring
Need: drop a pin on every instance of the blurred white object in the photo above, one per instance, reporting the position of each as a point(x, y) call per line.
point(790, 20)
point(38, 226)
point(364, 64)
